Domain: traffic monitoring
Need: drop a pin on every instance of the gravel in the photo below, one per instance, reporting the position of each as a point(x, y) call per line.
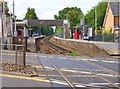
point(18, 69)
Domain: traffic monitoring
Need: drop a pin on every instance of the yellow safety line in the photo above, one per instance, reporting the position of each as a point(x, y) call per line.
point(26, 78)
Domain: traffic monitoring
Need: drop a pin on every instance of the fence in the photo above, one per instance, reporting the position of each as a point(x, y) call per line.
point(105, 38)
point(11, 53)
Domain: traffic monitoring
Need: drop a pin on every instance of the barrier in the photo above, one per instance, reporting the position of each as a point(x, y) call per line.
point(12, 53)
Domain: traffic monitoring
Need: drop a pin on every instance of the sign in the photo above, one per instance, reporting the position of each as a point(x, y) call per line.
point(90, 32)
point(34, 22)
point(82, 22)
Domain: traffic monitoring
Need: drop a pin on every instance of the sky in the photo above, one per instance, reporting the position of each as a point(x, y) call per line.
point(46, 9)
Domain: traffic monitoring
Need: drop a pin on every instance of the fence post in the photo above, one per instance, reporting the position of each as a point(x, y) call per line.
point(24, 56)
point(15, 55)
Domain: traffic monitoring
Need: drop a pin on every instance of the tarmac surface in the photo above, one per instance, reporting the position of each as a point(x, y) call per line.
point(74, 68)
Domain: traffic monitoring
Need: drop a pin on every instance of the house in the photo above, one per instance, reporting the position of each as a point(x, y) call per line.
point(111, 20)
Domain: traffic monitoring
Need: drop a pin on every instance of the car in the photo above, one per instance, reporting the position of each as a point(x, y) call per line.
point(35, 35)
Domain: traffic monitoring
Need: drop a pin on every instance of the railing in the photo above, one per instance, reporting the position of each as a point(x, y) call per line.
point(105, 38)
point(12, 53)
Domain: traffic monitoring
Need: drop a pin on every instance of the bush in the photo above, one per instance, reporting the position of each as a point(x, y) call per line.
point(74, 54)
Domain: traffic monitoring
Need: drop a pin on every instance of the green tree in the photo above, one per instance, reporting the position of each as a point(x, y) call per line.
point(100, 13)
point(73, 14)
point(59, 31)
point(47, 30)
point(31, 15)
point(6, 9)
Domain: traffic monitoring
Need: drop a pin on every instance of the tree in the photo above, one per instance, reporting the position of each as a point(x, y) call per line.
point(31, 15)
point(100, 13)
point(47, 30)
point(73, 14)
point(59, 31)
point(6, 9)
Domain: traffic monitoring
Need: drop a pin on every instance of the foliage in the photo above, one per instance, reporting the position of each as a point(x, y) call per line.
point(30, 14)
point(90, 18)
point(46, 30)
point(107, 35)
point(73, 14)
point(74, 54)
point(6, 9)
point(100, 14)
point(59, 31)
point(107, 31)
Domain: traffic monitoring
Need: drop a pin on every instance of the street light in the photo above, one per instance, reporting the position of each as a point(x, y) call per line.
point(14, 20)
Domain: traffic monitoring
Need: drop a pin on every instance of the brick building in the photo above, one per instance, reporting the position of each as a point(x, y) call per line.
point(111, 21)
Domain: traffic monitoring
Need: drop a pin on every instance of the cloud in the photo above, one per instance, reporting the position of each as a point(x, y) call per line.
point(46, 9)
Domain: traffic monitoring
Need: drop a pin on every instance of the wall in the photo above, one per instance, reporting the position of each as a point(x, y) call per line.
point(109, 23)
point(81, 46)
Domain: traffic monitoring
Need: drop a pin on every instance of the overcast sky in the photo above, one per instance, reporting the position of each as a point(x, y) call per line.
point(46, 9)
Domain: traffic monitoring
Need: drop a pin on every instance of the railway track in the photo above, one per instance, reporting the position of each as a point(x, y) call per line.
point(64, 52)
point(47, 47)
point(51, 49)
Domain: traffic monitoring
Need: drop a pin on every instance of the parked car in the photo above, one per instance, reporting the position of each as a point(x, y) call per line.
point(35, 35)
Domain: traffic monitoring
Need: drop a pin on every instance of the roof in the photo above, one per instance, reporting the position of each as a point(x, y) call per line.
point(22, 23)
point(115, 6)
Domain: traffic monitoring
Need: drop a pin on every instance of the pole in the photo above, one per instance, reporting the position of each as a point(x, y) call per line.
point(96, 19)
point(13, 17)
point(3, 22)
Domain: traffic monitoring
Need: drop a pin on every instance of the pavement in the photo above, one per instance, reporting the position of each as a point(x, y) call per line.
point(21, 80)
point(111, 48)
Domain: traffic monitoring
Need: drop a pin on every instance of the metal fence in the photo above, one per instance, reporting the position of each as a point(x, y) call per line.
point(105, 38)
point(11, 53)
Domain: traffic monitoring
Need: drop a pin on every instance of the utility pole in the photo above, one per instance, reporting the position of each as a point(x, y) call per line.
point(0, 21)
point(96, 19)
point(13, 16)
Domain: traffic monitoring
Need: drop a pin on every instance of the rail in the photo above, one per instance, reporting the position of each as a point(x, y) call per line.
point(93, 73)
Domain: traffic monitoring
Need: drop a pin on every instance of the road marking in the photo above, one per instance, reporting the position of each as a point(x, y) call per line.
point(25, 78)
point(38, 66)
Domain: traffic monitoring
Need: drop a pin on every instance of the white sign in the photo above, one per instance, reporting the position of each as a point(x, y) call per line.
point(90, 32)
point(65, 22)
point(82, 22)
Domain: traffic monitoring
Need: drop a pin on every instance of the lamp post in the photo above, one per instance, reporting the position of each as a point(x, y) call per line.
point(13, 16)
point(14, 20)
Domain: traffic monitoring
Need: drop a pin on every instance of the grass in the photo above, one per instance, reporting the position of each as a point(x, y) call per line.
point(74, 53)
